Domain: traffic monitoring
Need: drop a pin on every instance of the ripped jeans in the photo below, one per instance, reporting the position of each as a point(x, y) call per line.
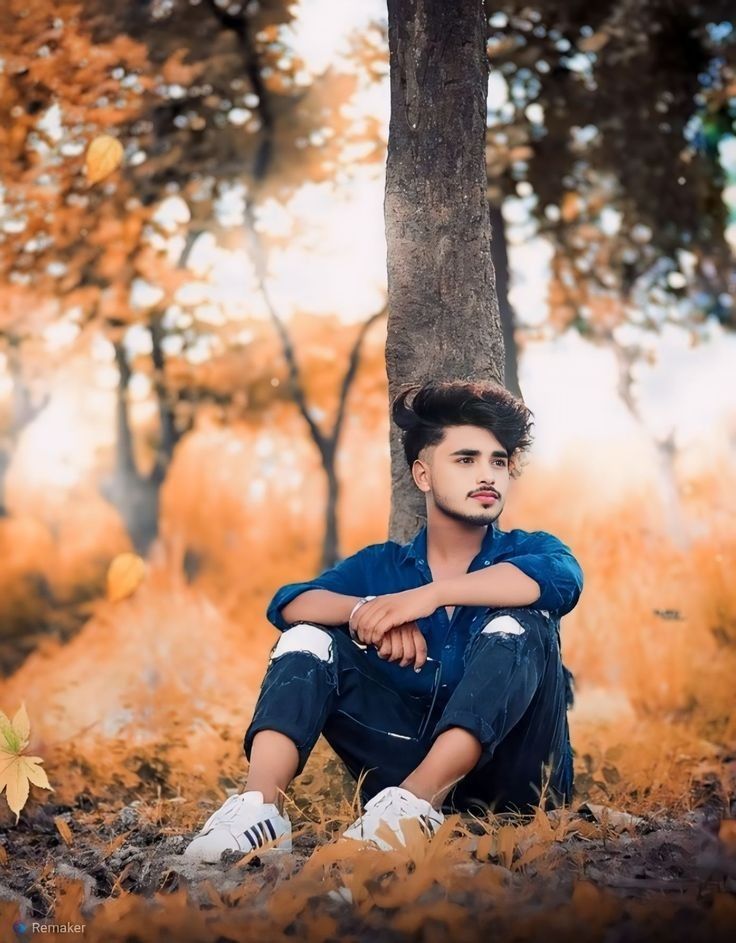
point(512, 697)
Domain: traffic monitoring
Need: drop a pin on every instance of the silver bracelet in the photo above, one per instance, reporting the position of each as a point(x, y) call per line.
point(355, 608)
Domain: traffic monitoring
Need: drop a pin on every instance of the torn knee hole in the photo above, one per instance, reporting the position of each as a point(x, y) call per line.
point(307, 639)
point(505, 625)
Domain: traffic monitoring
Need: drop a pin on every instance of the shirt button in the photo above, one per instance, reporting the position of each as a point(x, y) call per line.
point(486, 563)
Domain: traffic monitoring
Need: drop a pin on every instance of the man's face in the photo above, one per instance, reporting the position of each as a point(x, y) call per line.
point(466, 475)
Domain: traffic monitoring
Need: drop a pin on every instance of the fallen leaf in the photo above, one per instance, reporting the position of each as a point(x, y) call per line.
point(104, 155)
point(18, 771)
point(64, 830)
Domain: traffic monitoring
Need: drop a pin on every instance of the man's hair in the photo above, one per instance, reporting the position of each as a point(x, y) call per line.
point(423, 413)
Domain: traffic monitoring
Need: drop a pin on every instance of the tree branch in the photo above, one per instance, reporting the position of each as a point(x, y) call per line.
point(352, 369)
point(240, 26)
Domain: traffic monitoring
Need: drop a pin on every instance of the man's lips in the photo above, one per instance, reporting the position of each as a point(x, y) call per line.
point(485, 496)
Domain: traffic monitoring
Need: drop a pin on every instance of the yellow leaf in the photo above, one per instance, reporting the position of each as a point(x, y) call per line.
point(7, 733)
point(104, 155)
point(15, 734)
point(16, 773)
point(124, 576)
point(22, 725)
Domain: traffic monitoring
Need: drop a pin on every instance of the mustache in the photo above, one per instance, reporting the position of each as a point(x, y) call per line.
point(485, 491)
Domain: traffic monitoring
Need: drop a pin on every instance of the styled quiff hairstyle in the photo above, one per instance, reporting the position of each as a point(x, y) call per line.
point(423, 412)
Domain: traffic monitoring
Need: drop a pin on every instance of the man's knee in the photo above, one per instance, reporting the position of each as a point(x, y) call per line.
point(306, 639)
point(517, 621)
point(503, 625)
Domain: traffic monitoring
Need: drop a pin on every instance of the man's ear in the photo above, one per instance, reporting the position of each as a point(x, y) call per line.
point(420, 474)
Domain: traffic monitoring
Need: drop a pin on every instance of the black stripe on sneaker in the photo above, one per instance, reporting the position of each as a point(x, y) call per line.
point(272, 830)
point(262, 829)
point(252, 837)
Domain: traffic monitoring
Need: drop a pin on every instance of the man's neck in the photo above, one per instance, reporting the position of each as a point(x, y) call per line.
point(450, 540)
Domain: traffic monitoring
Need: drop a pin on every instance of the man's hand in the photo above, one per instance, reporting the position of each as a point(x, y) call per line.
point(374, 618)
point(405, 644)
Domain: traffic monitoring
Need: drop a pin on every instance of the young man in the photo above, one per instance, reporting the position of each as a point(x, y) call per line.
point(432, 668)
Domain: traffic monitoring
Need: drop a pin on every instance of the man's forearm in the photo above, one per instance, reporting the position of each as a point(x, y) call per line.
point(320, 605)
point(502, 584)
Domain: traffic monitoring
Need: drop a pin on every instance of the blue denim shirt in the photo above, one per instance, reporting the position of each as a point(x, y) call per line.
point(391, 567)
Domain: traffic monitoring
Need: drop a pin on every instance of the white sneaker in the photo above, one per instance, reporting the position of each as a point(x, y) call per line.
point(390, 806)
point(243, 823)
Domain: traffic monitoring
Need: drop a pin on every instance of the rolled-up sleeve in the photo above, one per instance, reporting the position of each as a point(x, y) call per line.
point(347, 577)
point(551, 564)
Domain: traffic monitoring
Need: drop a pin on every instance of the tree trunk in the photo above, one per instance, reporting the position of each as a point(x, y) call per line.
point(135, 496)
point(125, 466)
point(500, 256)
point(330, 542)
point(443, 312)
point(168, 433)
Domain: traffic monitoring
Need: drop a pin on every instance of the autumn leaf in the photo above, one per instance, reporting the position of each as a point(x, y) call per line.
point(17, 770)
point(104, 155)
point(64, 830)
point(124, 576)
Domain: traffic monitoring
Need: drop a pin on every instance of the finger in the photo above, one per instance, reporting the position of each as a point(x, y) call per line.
point(366, 618)
point(380, 628)
point(384, 648)
point(408, 644)
point(397, 647)
point(420, 646)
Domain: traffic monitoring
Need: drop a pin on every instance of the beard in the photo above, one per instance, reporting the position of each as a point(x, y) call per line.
point(480, 518)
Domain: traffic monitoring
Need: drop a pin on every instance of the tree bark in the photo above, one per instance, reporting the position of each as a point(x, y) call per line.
point(443, 312)
point(500, 256)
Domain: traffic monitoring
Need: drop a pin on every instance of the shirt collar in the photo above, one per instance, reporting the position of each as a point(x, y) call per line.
point(416, 548)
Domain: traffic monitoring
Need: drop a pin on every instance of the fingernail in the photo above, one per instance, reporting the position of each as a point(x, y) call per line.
point(417, 670)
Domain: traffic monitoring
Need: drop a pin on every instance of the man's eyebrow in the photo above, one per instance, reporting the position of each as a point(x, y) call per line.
point(473, 452)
